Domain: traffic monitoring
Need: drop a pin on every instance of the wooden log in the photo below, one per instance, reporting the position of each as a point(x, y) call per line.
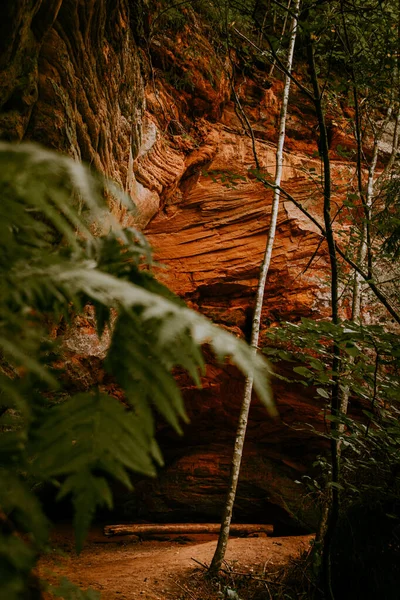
point(143, 529)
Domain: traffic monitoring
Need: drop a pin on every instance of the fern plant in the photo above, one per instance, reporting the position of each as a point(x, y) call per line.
point(51, 267)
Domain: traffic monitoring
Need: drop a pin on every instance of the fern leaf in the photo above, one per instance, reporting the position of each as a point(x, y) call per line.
point(88, 492)
point(17, 499)
point(17, 559)
point(108, 290)
point(77, 434)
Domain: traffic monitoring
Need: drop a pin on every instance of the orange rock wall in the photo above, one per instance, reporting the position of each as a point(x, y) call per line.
point(210, 234)
point(79, 77)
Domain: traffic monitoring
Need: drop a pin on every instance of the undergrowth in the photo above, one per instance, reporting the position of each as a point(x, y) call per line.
point(292, 581)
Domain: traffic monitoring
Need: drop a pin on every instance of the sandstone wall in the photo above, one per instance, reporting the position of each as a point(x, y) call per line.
point(73, 77)
point(70, 79)
point(211, 235)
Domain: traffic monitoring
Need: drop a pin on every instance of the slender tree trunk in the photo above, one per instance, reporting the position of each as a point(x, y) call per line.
point(333, 514)
point(365, 250)
point(243, 417)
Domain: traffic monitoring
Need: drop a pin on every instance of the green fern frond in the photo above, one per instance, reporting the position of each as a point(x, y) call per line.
point(77, 434)
point(17, 559)
point(51, 267)
point(17, 499)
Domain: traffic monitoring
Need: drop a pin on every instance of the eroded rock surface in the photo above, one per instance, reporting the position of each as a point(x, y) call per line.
point(72, 77)
point(211, 235)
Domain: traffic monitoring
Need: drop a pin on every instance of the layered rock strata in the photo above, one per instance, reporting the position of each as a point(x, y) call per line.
point(210, 234)
point(72, 77)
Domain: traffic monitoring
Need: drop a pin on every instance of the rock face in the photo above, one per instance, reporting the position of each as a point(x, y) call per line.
point(72, 76)
point(70, 79)
point(210, 233)
point(193, 484)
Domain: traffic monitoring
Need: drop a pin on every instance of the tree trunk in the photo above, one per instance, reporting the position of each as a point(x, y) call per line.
point(243, 417)
point(365, 250)
point(333, 514)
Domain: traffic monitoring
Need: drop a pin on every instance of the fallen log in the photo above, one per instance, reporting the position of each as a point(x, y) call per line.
point(143, 529)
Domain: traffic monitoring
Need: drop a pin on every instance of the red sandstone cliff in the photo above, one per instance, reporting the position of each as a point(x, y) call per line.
point(74, 77)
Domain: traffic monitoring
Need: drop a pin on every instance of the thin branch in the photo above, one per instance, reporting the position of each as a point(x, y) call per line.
point(280, 64)
point(253, 139)
point(203, 565)
point(185, 589)
point(281, 38)
point(381, 297)
point(308, 265)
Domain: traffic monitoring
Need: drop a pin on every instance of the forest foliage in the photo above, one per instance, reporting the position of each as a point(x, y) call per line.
point(52, 266)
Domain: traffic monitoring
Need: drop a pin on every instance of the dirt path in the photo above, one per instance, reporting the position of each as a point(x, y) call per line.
point(126, 569)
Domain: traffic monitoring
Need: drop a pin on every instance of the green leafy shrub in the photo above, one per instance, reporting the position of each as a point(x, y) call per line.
point(364, 558)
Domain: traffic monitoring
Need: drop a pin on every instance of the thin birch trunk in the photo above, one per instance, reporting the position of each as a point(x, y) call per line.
point(331, 513)
point(365, 243)
point(356, 300)
point(243, 417)
point(395, 148)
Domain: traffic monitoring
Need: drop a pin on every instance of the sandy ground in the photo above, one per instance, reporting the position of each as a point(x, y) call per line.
point(128, 569)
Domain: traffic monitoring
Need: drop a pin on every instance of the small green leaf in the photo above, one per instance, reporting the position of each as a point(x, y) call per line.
point(303, 371)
